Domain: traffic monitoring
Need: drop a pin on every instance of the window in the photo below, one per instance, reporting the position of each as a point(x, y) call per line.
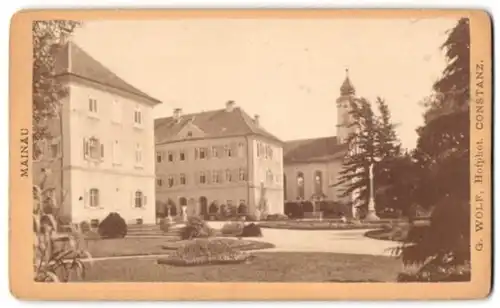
point(170, 156)
point(94, 197)
point(203, 153)
point(241, 149)
point(242, 175)
point(182, 156)
point(190, 134)
point(215, 177)
point(203, 178)
point(284, 187)
point(229, 176)
point(159, 182)
point(116, 152)
point(228, 151)
point(140, 199)
point(170, 181)
point(117, 112)
point(159, 157)
point(215, 152)
point(92, 105)
point(300, 185)
point(182, 179)
point(93, 149)
point(138, 154)
point(137, 117)
point(318, 183)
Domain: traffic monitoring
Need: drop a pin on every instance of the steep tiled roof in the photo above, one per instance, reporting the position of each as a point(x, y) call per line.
point(214, 124)
point(311, 150)
point(73, 60)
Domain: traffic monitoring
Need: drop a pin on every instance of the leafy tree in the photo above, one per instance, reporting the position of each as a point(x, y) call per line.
point(48, 36)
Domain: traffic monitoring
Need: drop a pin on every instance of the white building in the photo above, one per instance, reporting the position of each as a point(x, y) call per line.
point(102, 150)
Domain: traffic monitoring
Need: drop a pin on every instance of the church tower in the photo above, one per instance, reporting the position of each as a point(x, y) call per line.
point(347, 93)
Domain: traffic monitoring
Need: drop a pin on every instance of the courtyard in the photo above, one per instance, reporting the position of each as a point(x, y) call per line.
point(280, 256)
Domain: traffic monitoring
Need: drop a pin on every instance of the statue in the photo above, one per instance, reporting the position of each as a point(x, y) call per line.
point(184, 213)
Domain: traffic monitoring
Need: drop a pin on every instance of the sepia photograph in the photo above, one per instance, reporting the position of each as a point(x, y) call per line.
point(270, 150)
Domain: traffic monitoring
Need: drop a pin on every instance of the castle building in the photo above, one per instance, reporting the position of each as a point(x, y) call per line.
point(220, 157)
point(312, 166)
point(101, 153)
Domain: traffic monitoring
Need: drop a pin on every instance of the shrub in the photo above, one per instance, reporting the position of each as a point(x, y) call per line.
point(203, 251)
point(251, 217)
point(196, 228)
point(84, 227)
point(276, 217)
point(232, 211)
point(242, 209)
point(113, 226)
point(232, 228)
point(57, 257)
point(213, 208)
point(251, 230)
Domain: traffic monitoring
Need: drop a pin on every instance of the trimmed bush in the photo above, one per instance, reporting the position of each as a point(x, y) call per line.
point(232, 228)
point(213, 209)
point(251, 230)
point(276, 217)
point(196, 228)
point(203, 251)
point(113, 226)
point(242, 209)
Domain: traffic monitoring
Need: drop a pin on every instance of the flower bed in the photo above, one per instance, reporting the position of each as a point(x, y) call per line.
point(208, 251)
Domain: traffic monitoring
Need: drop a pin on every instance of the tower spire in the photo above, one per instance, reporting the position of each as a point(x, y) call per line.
point(347, 88)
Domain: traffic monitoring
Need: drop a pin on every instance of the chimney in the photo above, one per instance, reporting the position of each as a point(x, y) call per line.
point(256, 119)
point(229, 106)
point(177, 114)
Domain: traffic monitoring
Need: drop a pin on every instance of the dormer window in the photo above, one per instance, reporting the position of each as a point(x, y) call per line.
point(190, 134)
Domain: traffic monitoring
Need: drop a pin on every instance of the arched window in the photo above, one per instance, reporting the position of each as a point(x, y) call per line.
point(318, 183)
point(139, 199)
point(284, 186)
point(300, 185)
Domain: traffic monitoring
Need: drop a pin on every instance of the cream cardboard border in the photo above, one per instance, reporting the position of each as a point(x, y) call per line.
point(21, 275)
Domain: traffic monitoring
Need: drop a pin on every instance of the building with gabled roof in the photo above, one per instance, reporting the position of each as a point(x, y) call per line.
point(312, 166)
point(218, 159)
point(101, 153)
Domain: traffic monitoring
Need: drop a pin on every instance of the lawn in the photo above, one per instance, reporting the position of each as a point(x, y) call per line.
point(154, 246)
point(266, 267)
point(320, 225)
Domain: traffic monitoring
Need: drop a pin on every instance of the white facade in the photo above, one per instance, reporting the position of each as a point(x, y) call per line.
point(108, 154)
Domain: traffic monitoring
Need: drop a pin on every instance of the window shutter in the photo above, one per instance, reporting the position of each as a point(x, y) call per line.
point(196, 152)
point(145, 200)
point(85, 148)
point(132, 200)
point(208, 176)
point(86, 198)
point(102, 150)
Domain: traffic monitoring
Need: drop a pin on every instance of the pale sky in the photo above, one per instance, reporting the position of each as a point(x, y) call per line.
point(287, 71)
